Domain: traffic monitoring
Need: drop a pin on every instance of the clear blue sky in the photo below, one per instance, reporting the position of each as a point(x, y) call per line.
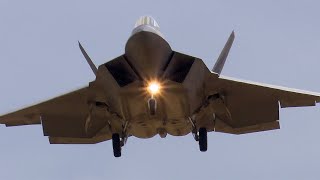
point(276, 42)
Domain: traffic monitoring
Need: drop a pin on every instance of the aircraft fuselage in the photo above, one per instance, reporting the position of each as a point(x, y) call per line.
point(148, 58)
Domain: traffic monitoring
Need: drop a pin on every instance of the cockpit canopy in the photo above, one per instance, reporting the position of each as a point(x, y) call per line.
point(147, 20)
point(147, 23)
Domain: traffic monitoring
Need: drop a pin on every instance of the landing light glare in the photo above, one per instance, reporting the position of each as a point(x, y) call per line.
point(154, 88)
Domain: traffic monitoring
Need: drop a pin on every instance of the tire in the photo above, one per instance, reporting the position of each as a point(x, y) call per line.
point(116, 145)
point(203, 141)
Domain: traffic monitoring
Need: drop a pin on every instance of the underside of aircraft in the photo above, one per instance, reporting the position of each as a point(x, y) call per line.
point(151, 90)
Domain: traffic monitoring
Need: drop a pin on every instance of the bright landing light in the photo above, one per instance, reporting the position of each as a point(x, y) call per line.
point(154, 88)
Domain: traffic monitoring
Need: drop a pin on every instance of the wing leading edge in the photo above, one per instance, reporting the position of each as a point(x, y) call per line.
point(255, 106)
point(57, 106)
point(63, 118)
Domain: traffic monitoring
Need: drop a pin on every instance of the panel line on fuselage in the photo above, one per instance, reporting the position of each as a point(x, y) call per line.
point(133, 68)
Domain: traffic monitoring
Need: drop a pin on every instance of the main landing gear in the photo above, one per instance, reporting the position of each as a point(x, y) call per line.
point(203, 140)
point(116, 143)
point(200, 136)
point(119, 140)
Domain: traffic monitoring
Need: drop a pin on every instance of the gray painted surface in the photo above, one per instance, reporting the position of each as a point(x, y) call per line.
point(276, 43)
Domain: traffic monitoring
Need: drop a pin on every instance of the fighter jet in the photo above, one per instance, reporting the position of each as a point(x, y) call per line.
point(152, 89)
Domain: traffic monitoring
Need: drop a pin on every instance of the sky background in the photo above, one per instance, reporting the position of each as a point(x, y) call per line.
point(277, 42)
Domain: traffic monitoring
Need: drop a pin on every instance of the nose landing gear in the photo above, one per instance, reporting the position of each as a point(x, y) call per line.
point(152, 104)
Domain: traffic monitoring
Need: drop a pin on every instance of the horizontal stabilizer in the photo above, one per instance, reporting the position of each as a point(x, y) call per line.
point(223, 55)
point(91, 64)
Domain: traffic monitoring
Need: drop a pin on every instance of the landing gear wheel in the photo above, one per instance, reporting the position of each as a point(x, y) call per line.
point(203, 143)
point(116, 145)
point(152, 106)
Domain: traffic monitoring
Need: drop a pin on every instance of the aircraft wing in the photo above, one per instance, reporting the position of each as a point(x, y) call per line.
point(254, 106)
point(63, 118)
point(59, 106)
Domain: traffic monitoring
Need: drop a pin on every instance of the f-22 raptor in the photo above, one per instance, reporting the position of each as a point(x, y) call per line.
point(152, 89)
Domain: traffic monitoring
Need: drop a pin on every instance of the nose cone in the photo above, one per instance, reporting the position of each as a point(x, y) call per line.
point(146, 49)
point(147, 23)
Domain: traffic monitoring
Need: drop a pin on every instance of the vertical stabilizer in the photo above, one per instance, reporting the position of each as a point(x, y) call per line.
point(89, 61)
point(223, 55)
